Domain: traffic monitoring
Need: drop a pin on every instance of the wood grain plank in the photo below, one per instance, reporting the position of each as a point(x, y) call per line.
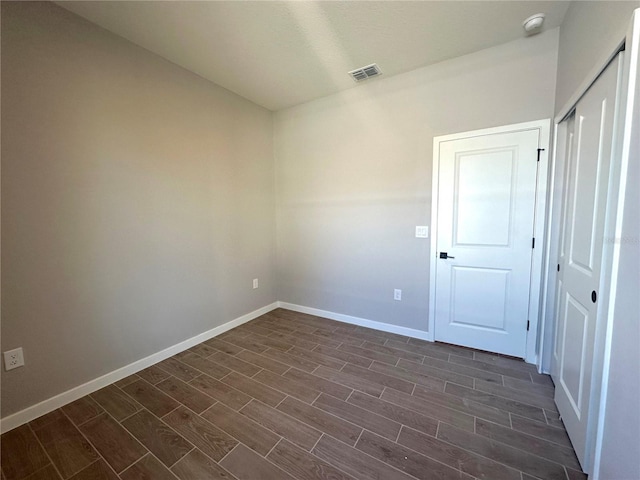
point(519, 396)
point(291, 360)
point(499, 452)
point(221, 391)
point(82, 410)
point(197, 466)
point(207, 437)
point(186, 394)
point(288, 427)
point(47, 473)
point(242, 428)
point(528, 443)
point(350, 381)
point(321, 420)
point(542, 430)
point(380, 378)
point(319, 383)
point(147, 468)
point(358, 416)
point(116, 402)
point(468, 462)
point(234, 363)
point(344, 356)
point(153, 374)
point(354, 462)
point(464, 405)
point(150, 397)
point(317, 358)
point(254, 389)
point(407, 460)
point(22, 455)
point(68, 449)
point(206, 366)
point(500, 370)
point(98, 470)
point(247, 465)
point(203, 350)
point(302, 465)
point(219, 344)
point(288, 386)
point(438, 412)
point(502, 403)
point(435, 382)
point(178, 369)
point(117, 446)
point(433, 367)
point(394, 352)
point(158, 437)
point(363, 352)
point(395, 412)
point(419, 350)
point(263, 362)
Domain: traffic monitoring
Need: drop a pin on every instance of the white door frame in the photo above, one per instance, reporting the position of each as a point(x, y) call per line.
point(543, 126)
point(622, 138)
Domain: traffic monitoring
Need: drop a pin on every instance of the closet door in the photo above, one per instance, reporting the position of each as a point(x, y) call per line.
point(587, 177)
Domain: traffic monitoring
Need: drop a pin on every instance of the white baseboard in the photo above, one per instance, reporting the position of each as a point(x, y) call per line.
point(363, 322)
point(31, 413)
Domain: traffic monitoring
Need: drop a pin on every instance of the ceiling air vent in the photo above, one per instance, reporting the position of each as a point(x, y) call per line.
point(364, 73)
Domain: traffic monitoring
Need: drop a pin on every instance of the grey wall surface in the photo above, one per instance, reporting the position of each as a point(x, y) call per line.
point(137, 203)
point(353, 175)
point(589, 33)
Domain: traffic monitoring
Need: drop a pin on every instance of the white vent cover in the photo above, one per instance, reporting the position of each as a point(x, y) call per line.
point(364, 73)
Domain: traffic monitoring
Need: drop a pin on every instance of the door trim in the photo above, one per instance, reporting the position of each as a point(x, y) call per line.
point(543, 127)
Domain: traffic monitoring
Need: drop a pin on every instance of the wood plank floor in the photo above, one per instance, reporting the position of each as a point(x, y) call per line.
point(294, 396)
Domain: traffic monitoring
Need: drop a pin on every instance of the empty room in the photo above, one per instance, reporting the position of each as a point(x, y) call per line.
point(320, 240)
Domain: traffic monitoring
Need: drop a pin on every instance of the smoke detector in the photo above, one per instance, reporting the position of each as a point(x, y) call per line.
point(364, 73)
point(533, 24)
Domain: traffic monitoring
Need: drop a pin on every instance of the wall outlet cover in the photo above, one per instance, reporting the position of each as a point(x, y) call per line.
point(397, 294)
point(13, 359)
point(255, 283)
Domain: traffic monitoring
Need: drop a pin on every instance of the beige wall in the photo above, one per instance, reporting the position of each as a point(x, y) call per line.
point(353, 175)
point(137, 203)
point(591, 30)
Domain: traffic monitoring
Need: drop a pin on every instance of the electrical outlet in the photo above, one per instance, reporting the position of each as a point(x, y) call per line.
point(397, 294)
point(255, 283)
point(13, 359)
point(422, 232)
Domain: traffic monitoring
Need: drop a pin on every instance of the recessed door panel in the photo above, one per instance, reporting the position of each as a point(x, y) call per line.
point(572, 369)
point(486, 308)
point(482, 216)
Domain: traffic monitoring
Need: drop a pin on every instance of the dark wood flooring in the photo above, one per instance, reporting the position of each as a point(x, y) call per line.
point(293, 396)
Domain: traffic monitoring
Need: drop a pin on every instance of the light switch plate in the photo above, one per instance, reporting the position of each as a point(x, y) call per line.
point(422, 232)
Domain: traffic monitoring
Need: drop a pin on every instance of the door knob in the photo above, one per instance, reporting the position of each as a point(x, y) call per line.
point(445, 255)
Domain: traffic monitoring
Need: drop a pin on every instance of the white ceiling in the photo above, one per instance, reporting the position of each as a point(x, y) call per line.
point(282, 53)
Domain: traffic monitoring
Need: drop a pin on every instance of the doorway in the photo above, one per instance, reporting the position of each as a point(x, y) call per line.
point(488, 209)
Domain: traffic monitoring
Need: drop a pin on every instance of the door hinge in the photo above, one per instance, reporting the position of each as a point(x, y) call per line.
point(540, 150)
point(533, 242)
point(528, 322)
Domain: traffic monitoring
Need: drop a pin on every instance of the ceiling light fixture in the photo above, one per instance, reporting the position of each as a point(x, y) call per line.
point(533, 24)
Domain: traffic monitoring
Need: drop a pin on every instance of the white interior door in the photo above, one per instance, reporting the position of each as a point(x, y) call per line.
point(485, 225)
point(590, 132)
